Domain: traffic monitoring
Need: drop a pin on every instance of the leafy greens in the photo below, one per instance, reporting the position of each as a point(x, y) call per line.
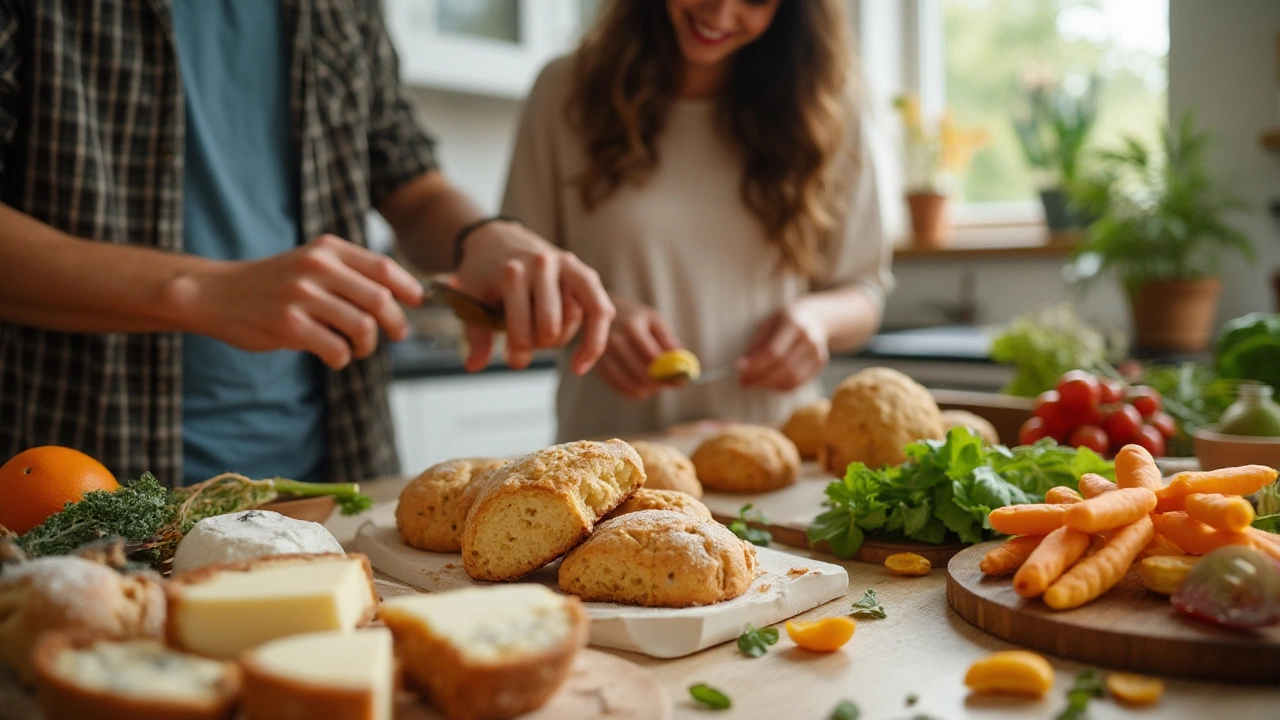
point(945, 490)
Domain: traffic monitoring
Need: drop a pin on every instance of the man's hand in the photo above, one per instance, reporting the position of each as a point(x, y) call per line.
point(548, 295)
point(637, 336)
point(788, 350)
point(328, 297)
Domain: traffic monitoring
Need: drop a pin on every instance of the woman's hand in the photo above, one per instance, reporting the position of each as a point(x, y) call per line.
point(637, 336)
point(328, 297)
point(548, 295)
point(788, 350)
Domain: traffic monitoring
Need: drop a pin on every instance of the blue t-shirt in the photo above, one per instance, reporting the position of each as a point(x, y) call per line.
point(261, 414)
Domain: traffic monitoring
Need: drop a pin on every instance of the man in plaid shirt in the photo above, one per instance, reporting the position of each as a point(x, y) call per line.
point(194, 175)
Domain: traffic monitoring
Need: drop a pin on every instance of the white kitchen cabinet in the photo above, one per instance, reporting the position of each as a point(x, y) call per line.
point(490, 415)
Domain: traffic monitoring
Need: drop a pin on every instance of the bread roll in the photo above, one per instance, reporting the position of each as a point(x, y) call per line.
point(542, 505)
point(659, 558)
point(978, 424)
point(646, 499)
point(874, 415)
point(434, 506)
point(747, 459)
point(666, 468)
point(806, 427)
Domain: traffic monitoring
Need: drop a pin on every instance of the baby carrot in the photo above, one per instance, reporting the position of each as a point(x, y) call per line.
point(1223, 512)
point(1092, 485)
point(1057, 552)
point(1136, 468)
point(1243, 480)
point(1170, 503)
point(1101, 571)
point(1110, 510)
point(1160, 545)
point(1062, 495)
point(1010, 555)
point(1040, 519)
point(1268, 543)
point(1194, 536)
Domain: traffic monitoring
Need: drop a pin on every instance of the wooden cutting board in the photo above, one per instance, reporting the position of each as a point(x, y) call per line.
point(788, 585)
point(1129, 627)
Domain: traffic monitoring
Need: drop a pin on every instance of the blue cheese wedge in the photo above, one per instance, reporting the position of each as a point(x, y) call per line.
point(222, 610)
point(250, 534)
point(331, 675)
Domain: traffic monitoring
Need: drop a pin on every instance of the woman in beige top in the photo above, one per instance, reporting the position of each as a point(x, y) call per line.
point(704, 157)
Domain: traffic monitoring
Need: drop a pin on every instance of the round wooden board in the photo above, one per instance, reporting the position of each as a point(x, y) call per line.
point(1129, 627)
point(315, 509)
point(873, 550)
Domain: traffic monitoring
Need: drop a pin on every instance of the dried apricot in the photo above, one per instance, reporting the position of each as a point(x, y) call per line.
point(1011, 672)
point(1133, 689)
point(908, 564)
point(825, 635)
point(1165, 573)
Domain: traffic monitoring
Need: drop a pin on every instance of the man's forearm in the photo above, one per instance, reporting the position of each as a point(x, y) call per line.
point(52, 280)
point(427, 214)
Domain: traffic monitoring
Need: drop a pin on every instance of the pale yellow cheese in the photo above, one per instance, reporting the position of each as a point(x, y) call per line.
point(313, 663)
point(233, 611)
point(489, 624)
point(142, 669)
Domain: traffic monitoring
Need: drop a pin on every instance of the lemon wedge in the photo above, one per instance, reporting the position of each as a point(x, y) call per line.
point(675, 365)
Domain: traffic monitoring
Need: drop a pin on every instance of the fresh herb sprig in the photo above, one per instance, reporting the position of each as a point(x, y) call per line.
point(754, 642)
point(710, 697)
point(1087, 686)
point(755, 536)
point(869, 605)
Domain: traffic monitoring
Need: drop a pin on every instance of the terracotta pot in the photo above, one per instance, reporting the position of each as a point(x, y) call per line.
point(1175, 315)
point(929, 226)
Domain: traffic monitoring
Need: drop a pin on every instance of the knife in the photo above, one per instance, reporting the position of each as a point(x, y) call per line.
point(469, 309)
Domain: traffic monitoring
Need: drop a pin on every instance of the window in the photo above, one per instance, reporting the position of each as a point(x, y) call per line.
point(990, 45)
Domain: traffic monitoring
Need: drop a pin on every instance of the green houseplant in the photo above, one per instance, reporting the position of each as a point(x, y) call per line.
point(1053, 125)
point(1161, 227)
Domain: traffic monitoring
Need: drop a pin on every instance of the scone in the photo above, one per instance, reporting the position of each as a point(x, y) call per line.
point(806, 426)
point(222, 610)
point(434, 506)
point(659, 558)
point(666, 468)
point(487, 653)
point(74, 595)
point(646, 499)
point(79, 677)
point(540, 506)
point(978, 424)
point(240, 536)
point(330, 675)
point(874, 415)
point(747, 459)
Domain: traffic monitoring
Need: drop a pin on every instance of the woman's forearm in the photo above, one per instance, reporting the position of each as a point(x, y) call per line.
point(849, 313)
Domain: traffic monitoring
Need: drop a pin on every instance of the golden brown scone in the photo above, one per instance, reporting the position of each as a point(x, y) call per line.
point(874, 415)
point(659, 558)
point(806, 427)
point(540, 506)
point(666, 468)
point(978, 424)
point(77, 596)
point(434, 506)
point(746, 459)
point(646, 499)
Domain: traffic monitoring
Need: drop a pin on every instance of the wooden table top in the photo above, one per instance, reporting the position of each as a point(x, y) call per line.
point(922, 648)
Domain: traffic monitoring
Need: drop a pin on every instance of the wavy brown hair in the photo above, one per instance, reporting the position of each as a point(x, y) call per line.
point(784, 104)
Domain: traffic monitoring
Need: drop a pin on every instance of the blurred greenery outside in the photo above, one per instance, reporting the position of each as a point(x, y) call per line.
point(992, 44)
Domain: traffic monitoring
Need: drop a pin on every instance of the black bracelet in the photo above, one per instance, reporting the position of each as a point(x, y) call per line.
point(461, 237)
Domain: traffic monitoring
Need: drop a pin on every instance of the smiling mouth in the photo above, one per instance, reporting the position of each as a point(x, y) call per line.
point(706, 35)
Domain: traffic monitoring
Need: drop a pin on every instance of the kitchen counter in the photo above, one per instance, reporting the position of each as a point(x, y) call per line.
point(922, 648)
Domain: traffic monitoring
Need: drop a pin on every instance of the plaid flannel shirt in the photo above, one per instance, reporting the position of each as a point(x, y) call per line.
point(91, 138)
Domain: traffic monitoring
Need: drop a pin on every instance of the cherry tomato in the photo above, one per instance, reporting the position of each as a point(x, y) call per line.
point(1048, 396)
point(1075, 417)
point(1079, 392)
point(1112, 391)
point(1092, 437)
point(1151, 439)
point(1032, 430)
point(1146, 399)
point(1163, 422)
point(1122, 424)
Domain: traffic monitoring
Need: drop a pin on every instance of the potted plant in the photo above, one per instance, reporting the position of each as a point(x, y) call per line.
point(933, 159)
point(1161, 226)
point(1053, 124)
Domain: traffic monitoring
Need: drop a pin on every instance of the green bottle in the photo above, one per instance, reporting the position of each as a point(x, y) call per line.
point(1253, 413)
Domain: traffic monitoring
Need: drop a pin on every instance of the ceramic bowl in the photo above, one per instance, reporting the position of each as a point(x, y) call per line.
point(1215, 450)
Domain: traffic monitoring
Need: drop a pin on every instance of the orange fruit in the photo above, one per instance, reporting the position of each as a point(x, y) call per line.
point(37, 483)
point(825, 635)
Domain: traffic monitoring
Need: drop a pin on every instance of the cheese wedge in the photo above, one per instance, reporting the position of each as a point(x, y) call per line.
point(487, 653)
point(331, 675)
point(222, 610)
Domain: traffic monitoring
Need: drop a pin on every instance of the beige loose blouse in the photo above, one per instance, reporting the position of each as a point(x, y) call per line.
point(685, 244)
